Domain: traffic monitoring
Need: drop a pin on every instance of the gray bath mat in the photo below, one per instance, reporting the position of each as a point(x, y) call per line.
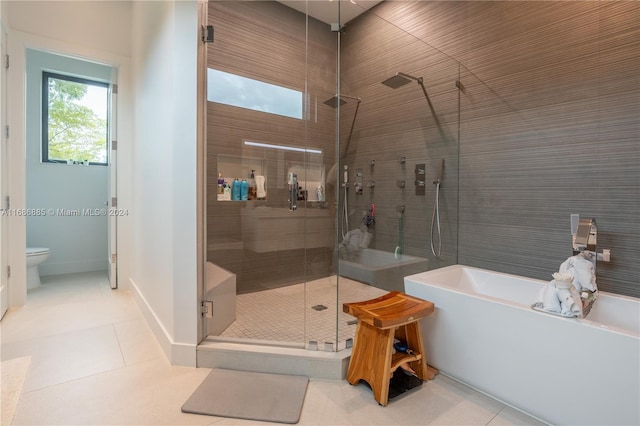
point(248, 395)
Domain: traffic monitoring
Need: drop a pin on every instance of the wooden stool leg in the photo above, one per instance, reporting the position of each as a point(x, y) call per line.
point(414, 341)
point(413, 337)
point(371, 360)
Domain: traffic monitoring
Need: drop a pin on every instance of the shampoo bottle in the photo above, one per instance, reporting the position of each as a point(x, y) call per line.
point(236, 190)
point(244, 191)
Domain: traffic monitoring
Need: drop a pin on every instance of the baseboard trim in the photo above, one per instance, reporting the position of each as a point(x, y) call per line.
point(63, 268)
point(177, 353)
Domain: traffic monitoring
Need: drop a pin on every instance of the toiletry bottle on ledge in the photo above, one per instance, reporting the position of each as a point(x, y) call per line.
point(244, 190)
point(236, 190)
point(253, 189)
point(261, 191)
point(220, 183)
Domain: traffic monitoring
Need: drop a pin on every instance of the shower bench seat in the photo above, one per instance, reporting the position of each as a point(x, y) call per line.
point(380, 321)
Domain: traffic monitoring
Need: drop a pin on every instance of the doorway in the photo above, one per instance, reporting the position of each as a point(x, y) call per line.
point(69, 163)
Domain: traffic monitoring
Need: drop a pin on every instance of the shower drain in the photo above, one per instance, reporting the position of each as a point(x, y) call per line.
point(319, 307)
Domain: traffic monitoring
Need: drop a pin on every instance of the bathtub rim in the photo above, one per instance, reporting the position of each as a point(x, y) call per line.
point(585, 321)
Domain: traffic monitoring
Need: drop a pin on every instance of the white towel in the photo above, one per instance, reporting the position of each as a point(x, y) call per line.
point(569, 302)
point(560, 296)
point(550, 301)
point(581, 269)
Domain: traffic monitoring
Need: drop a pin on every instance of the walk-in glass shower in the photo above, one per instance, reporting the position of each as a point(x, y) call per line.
point(331, 145)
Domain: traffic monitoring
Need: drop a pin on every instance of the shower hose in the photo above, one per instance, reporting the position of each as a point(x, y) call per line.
point(345, 215)
point(435, 220)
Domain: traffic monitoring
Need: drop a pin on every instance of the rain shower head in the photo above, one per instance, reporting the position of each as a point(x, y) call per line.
point(400, 79)
point(333, 101)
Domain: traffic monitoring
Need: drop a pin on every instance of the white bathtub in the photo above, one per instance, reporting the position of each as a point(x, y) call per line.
point(380, 268)
point(560, 370)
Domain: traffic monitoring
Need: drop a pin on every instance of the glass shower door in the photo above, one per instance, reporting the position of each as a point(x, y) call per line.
point(269, 227)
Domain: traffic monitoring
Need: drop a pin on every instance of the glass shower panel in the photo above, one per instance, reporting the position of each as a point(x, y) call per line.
point(269, 146)
point(356, 191)
point(400, 149)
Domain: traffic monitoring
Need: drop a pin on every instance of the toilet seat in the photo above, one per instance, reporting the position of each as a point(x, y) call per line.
point(37, 251)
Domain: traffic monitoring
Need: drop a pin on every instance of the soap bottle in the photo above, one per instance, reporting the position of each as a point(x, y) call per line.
point(236, 190)
point(244, 191)
point(253, 189)
point(227, 192)
point(220, 184)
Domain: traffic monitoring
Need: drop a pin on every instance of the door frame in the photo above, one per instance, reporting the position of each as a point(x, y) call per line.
point(201, 173)
point(113, 211)
point(4, 176)
point(18, 43)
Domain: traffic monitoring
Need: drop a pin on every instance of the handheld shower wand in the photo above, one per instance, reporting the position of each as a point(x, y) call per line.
point(345, 207)
point(435, 217)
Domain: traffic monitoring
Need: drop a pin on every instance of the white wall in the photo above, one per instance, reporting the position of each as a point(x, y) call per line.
point(156, 144)
point(77, 243)
point(164, 42)
point(100, 26)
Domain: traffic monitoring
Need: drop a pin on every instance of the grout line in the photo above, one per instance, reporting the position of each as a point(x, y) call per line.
point(115, 331)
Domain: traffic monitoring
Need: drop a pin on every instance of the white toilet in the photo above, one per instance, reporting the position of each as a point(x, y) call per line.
point(35, 256)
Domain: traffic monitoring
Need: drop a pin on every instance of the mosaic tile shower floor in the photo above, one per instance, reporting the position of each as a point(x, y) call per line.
point(296, 314)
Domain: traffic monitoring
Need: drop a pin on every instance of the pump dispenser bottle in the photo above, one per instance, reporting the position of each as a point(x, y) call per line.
point(253, 189)
point(220, 184)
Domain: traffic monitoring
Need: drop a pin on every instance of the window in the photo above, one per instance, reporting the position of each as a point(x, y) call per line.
point(74, 120)
point(243, 92)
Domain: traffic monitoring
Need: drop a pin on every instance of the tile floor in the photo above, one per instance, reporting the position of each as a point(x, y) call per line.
point(94, 361)
point(291, 316)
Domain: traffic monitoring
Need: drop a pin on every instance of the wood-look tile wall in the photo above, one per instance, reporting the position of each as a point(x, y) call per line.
point(549, 125)
point(402, 122)
point(271, 43)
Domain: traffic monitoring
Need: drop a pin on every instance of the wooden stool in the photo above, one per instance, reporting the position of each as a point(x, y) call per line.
point(380, 320)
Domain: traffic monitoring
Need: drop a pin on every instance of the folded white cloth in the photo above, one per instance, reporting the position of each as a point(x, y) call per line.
point(560, 296)
point(584, 277)
point(570, 302)
point(550, 301)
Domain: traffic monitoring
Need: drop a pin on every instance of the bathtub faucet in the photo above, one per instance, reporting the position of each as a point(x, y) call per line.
point(585, 236)
point(585, 239)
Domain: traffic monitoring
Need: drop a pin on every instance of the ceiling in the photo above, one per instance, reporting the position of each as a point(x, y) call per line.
point(327, 10)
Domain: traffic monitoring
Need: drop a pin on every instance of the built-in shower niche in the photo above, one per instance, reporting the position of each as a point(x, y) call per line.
point(311, 180)
point(231, 167)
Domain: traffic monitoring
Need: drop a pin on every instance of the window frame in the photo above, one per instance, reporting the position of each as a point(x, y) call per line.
point(46, 75)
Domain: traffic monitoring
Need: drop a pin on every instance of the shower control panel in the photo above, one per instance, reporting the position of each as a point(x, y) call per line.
point(420, 179)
